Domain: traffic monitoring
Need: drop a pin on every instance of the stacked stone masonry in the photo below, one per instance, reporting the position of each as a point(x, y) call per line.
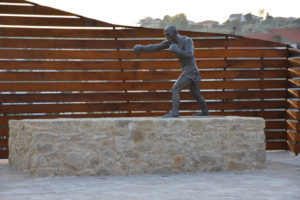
point(131, 146)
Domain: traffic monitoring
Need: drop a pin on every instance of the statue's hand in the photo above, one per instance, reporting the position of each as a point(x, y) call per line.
point(174, 48)
point(137, 48)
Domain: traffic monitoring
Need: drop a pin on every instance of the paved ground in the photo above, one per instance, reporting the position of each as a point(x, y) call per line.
point(280, 180)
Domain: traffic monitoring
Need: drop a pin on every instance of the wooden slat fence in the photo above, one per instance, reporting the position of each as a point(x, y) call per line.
point(293, 124)
point(72, 66)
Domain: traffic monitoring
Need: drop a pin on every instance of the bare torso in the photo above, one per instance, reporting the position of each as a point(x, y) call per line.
point(185, 43)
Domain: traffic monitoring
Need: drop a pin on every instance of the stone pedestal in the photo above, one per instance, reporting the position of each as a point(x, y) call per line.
point(130, 146)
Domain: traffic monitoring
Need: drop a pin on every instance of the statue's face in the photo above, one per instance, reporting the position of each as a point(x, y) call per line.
point(170, 35)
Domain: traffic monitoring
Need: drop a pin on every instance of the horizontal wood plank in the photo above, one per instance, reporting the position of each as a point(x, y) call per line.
point(3, 143)
point(116, 43)
point(134, 96)
point(246, 42)
point(136, 32)
point(67, 33)
point(121, 86)
point(3, 154)
point(31, 10)
point(276, 145)
point(71, 54)
point(263, 114)
point(3, 131)
point(113, 43)
point(142, 32)
point(60, 43)
point(16, 9)
point(146, 75)
point(137, 65)
point(276, 124)
point(44, 21)
point(276, 135)
point(140, 106)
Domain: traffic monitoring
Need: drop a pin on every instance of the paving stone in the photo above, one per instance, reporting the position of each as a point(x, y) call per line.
point(279, 181)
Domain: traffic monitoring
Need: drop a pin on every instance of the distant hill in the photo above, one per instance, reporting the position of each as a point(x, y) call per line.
point(237, 24)
point(238, 27)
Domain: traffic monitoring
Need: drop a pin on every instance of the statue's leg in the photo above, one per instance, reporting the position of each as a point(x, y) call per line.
point(195, 90)
point(179, 85)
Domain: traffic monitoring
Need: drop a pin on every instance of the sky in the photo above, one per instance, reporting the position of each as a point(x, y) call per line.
point(129, 12)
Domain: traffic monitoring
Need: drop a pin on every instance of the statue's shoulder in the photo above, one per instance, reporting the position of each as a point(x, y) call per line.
point(187, 40)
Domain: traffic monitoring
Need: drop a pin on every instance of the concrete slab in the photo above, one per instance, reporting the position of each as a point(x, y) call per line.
point(280, 180)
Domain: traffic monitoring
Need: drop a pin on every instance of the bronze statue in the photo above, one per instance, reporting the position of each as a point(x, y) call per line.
point(183, 48)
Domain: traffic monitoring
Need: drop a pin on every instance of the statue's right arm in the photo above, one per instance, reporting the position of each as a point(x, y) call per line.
point(151, 47)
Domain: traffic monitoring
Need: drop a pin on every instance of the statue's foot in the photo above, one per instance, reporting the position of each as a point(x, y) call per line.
point(170, 114)
point(201, 114)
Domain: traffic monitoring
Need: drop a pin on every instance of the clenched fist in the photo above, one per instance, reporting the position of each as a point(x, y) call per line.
point(174, 48)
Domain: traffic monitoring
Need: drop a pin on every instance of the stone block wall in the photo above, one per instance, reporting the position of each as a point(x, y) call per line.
point(130, 146)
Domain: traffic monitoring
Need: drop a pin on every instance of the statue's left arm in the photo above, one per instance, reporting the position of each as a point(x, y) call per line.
point(188, 50)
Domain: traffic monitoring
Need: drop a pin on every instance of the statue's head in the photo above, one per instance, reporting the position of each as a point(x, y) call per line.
point(171, 33)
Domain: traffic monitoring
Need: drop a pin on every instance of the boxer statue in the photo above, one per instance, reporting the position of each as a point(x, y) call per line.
point(183, 48)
